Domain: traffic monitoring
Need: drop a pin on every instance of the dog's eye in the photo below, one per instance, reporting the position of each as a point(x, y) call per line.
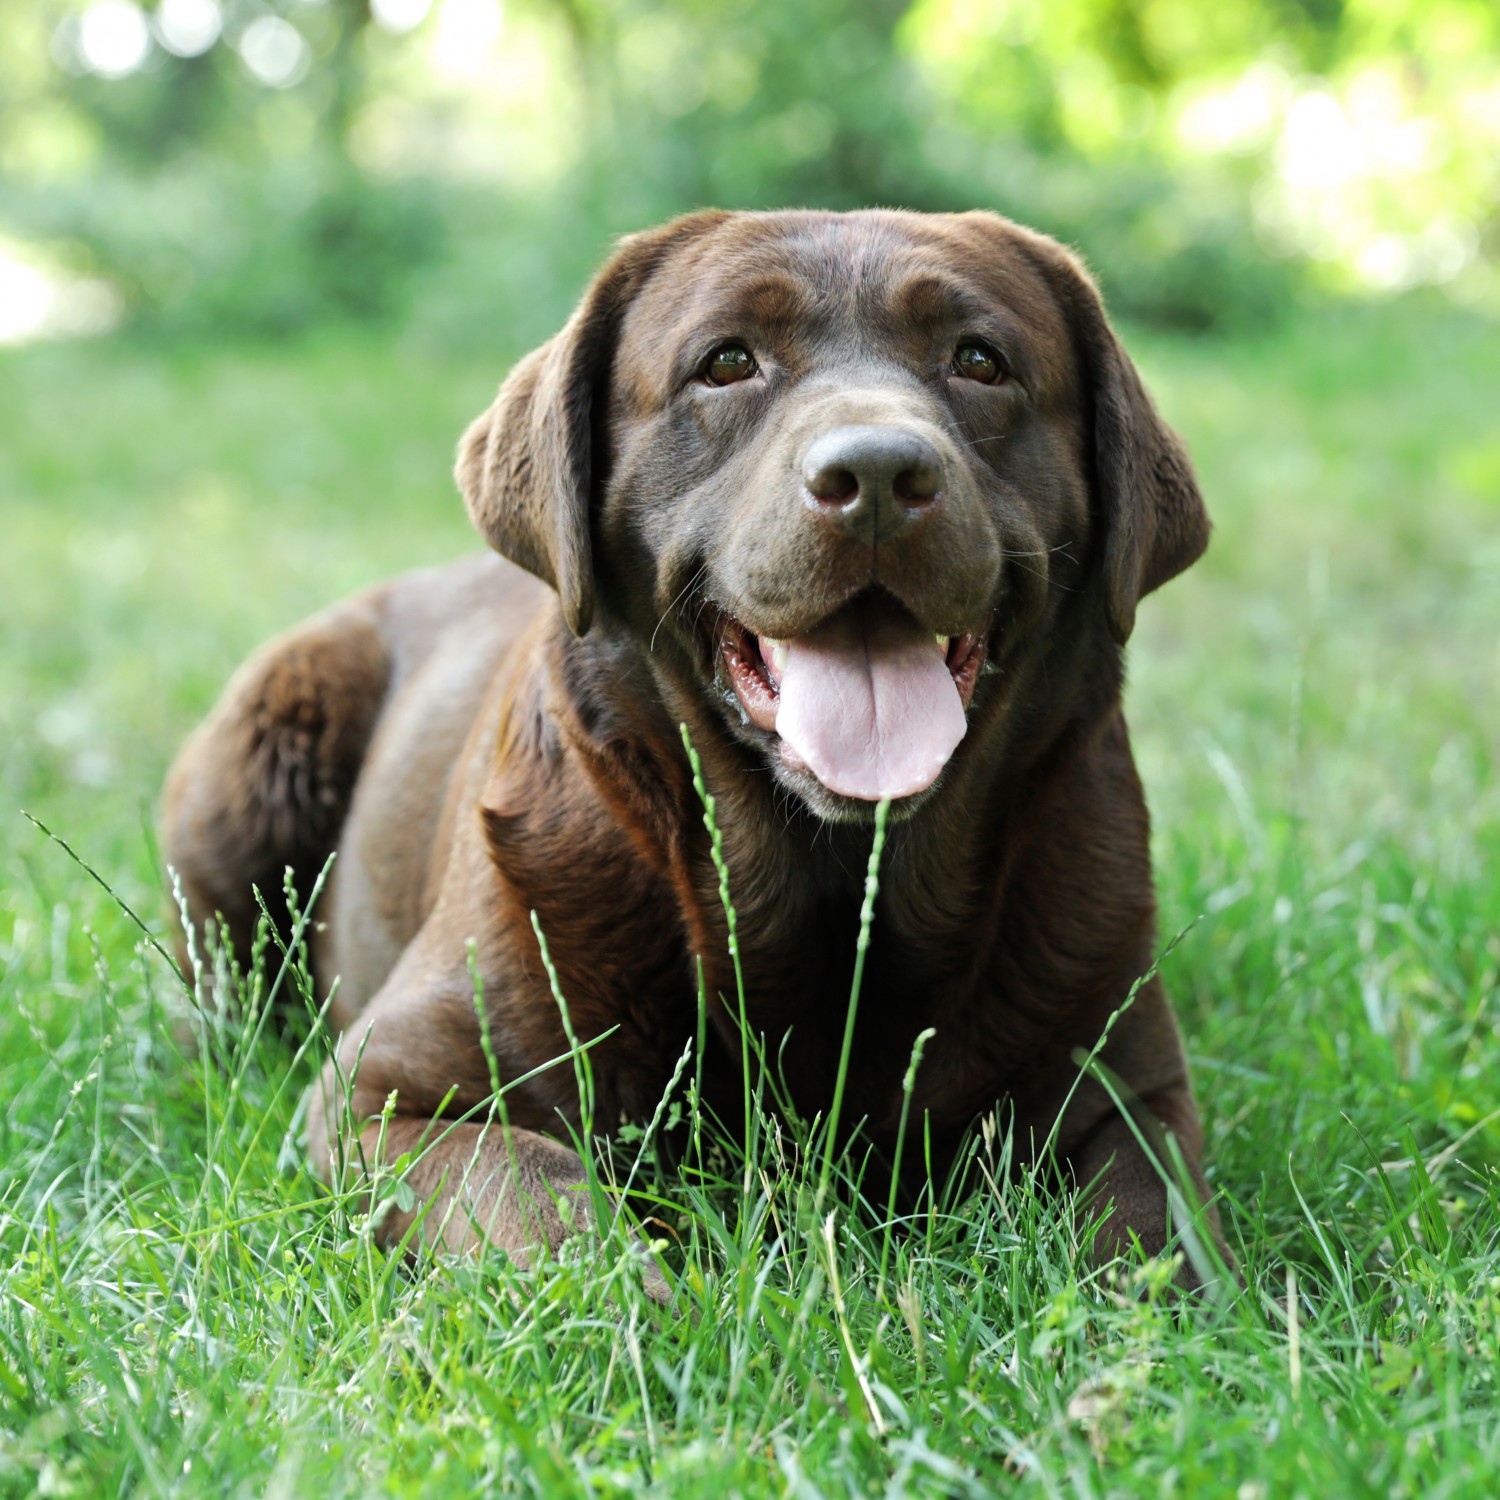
point(729, 363)
point(975, 361)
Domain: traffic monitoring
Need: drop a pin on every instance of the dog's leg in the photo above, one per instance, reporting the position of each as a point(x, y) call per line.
point(1128, 1187)
point(265, 782)
point(1113, 1142)
point(473, 1183)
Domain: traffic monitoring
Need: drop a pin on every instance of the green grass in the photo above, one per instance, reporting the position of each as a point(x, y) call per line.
point(1316, 709)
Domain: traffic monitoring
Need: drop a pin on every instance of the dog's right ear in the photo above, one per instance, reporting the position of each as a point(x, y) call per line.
point(1153, 519)
point(529, 468)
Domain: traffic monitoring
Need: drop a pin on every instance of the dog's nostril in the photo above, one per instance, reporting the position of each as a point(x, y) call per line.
point(832, 484)
point(917, 486)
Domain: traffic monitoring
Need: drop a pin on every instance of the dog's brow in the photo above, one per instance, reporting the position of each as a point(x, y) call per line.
point(770, 307)
point(929, 301)
point(771, 303)
point(928, 296)
point(774, 299)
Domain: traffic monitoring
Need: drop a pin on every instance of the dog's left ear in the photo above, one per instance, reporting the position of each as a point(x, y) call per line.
point(1154, 518)
point(528, 467)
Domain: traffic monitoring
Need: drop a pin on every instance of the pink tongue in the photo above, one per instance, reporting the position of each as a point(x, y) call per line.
point(868, 702)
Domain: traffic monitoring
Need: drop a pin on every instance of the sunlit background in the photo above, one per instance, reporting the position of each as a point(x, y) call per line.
point(261, 260)
point(258, 166)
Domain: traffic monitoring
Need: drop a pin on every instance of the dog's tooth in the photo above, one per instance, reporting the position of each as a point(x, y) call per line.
point(942, 642)
point(775, 652)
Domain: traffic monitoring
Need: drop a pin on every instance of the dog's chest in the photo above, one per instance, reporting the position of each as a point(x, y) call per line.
point(912, 1019)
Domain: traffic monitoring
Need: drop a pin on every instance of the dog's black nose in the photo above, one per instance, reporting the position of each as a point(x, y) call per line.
point(873, 482)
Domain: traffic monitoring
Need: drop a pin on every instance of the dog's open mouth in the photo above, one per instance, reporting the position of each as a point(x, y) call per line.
point(868, 701)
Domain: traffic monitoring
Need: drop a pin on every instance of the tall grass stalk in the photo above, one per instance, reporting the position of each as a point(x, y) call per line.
point(750, 1074)
point(851, 1015)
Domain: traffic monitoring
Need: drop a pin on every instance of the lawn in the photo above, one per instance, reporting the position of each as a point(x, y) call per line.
point(1316, 709)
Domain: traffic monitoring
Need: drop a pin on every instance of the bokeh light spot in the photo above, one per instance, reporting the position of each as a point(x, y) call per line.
point(400, 16)
point(466, 30)
point(274, 52)
point(188, 28)
point(113, 38)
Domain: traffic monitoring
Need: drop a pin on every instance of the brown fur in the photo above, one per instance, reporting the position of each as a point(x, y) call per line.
point(477, 747)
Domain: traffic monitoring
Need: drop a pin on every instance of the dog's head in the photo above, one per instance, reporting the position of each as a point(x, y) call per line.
point(836, 472)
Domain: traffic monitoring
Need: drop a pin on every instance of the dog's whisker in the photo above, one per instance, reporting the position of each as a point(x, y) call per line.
point(1046, 578)
point(1040, 551)
point(692, 583)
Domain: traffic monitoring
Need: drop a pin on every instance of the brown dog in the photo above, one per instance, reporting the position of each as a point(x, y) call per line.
point(866, 501)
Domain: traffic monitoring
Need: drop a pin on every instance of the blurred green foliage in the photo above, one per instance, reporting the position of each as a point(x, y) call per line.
point(358, 158)
point(205, 245)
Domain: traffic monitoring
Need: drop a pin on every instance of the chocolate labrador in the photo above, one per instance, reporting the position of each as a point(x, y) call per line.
point(866, 501)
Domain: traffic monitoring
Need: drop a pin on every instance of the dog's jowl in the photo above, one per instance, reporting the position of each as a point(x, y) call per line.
point(867, 502)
